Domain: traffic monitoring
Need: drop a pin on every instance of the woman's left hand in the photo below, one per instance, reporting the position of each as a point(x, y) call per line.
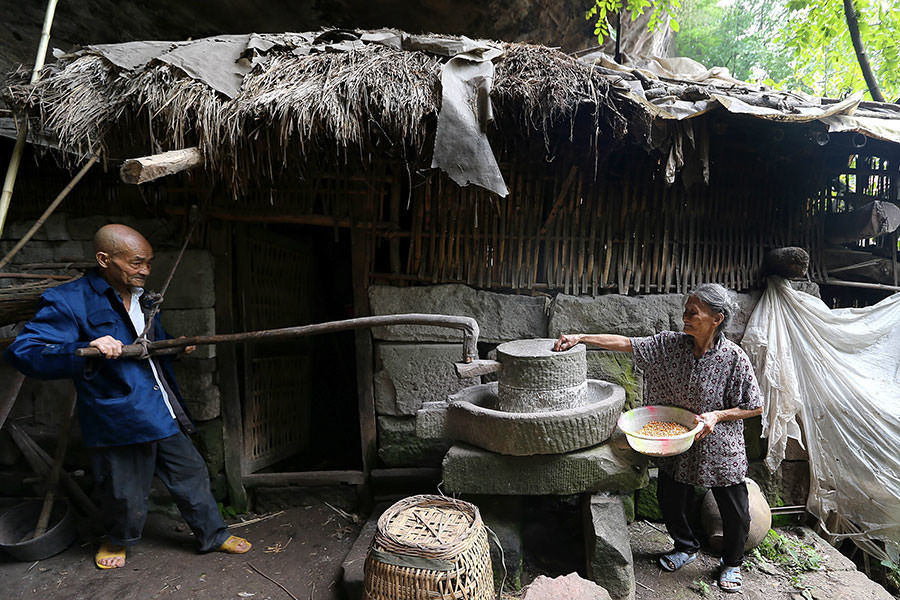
point(709, 421)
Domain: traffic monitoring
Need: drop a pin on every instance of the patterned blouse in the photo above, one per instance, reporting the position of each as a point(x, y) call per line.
point(722, 378)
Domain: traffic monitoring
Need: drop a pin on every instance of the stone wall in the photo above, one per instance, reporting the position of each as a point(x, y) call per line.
point(414, 362)
point(189, 309)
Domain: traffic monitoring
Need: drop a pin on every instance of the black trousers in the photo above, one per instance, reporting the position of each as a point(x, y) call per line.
point(677, 499)
point(124, 474)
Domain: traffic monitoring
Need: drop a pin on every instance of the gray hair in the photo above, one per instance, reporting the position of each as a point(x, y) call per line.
point(718, 299)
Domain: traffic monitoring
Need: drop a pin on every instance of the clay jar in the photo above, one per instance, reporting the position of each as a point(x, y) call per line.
point(760, 517)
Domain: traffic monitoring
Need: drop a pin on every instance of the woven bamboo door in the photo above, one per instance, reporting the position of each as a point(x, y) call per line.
point(275, 283)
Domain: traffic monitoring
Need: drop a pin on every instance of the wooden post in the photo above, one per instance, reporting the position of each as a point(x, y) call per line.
point(148, 168)
point(361, 244)
point(220, 244)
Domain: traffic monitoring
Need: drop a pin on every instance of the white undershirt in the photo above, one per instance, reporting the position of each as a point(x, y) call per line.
point(137, 319)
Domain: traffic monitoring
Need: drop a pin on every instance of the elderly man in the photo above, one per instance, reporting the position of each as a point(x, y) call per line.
point(131, 415)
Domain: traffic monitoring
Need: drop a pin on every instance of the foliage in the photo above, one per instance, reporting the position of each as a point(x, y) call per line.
point(791, 554)
point(825, 63)
point(702, 588)
point(736, 36)
point(602, 10)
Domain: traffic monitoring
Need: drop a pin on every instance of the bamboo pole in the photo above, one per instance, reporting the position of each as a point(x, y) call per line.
point(13, 169)
point(53, 205)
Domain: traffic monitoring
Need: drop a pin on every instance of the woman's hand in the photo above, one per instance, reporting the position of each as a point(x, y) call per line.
point(709, 421)
point(566, 341)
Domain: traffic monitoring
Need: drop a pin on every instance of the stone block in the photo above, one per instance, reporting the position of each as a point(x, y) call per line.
point(84, 228)
point(161, 233)
point(73, 251)
point(503, 516)
point(635, 316)
point(398, 445)
point(431, 420)
point(210, 444)
point(606, 467)
point(411, 374)
point(193, 285)
point(500, 317)
point(646, 504)
point(353, 567)
point(53, 229)
point(794, 482)
point(200, 393)
point(618, 368)
point(614, 313)
point(608, 547)
point(32, 252)
point(191, 322)
point(570, 587)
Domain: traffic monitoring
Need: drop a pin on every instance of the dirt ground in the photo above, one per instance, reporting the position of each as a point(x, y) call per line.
point(301, 549)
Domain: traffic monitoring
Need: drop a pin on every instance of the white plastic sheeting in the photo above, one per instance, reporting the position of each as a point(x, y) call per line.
point(839, 372)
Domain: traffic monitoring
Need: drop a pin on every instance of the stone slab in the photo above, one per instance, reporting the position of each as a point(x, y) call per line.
point(398, 445)
point(503, 516)
point(431, 420)
point(570, 587)
point(193, 285)
point(501, 317)
point(411, 374)
point(84, 228)
point(608, 547)
point(353, 567)
point(611, 466)
point(54, 229)
point(191, 322)
point(73, 251)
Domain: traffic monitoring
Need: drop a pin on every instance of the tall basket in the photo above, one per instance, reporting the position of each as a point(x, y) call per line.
point(429, 548)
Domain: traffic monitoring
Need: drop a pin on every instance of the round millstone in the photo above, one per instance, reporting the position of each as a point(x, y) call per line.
point(472, 417)
point(535, 378)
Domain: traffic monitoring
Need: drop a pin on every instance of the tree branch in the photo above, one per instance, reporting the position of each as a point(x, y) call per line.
point(853, 26)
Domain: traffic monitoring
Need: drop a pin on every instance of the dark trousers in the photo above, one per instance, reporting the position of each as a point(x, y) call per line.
point(124, 474)
point(676, 500)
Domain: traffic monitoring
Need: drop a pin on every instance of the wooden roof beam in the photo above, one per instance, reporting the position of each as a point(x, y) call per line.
point(148, 168)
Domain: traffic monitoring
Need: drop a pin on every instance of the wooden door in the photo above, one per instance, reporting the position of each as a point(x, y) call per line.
point(275, 287)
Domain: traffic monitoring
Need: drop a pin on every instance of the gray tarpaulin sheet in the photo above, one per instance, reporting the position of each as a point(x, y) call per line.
point(461, 147)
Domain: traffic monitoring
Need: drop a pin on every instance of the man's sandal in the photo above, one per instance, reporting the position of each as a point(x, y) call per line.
point(107, 551)
point(733, 576)
point(231, 545)
point(675, 560)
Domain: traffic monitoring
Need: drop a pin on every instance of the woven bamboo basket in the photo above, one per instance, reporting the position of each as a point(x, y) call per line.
point(429, 548)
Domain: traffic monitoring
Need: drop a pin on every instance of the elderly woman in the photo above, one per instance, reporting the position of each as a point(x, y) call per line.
point(704, 372)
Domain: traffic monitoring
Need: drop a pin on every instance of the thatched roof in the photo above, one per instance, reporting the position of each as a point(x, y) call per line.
point(305, 93)
point(259, 104)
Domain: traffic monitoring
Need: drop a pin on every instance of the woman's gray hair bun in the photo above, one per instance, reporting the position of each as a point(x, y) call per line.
point(718, 299)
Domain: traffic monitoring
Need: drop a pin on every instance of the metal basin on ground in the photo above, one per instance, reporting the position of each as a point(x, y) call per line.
point(17, 523)
point(472, 417)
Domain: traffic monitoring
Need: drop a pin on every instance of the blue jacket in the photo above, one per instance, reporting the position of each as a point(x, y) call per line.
point(119, 401)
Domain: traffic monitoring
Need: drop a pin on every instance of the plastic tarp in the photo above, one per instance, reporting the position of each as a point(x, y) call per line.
point(836, 373)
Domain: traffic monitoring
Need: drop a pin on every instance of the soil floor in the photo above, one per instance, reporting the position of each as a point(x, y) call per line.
point(297, 553)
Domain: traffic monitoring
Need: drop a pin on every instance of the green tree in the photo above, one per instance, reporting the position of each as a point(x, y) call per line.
point(603, 10)
point(824, 60)
point(736, 36)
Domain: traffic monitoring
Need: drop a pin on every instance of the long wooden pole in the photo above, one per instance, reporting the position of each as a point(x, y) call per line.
point(52, 479)
point(467, 324)
point(16, 158)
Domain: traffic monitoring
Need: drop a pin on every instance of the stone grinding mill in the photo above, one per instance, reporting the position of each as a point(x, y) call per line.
point(544, 428)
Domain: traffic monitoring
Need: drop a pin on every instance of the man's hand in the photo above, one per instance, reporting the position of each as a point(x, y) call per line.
point(108, 346)
point(709, 421)
point(187, 349)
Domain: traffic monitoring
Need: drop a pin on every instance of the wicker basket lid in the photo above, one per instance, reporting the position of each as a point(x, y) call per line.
point(429, 526)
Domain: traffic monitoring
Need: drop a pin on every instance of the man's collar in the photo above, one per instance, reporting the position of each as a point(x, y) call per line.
point(97, 282)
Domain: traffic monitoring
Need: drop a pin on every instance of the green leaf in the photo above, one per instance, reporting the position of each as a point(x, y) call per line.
point(674, 25)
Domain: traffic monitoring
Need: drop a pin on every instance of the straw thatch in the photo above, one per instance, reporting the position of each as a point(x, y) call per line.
point(292, 109)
